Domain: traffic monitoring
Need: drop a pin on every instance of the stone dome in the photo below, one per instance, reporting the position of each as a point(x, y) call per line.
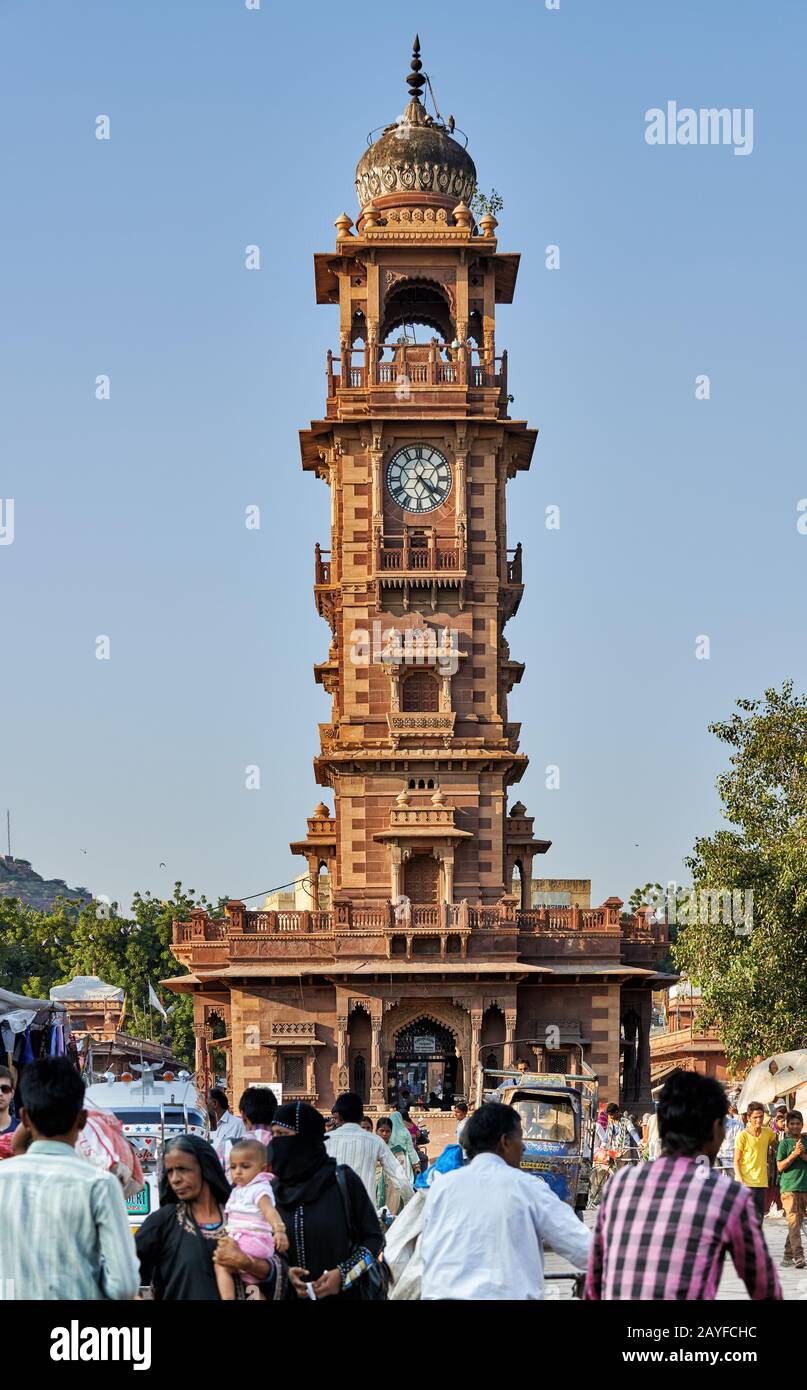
point(416, 155)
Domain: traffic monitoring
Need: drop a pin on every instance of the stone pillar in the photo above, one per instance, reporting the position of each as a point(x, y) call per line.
point(342, 1070)
point(526, 882)
point(448, 874)
point(376, 1067)
point(473, 1068)
point(460, 458)
point(395, 690)
point(396, 867)
point(444, 701)
point(376, 490)
point(509, 1034)
point(201, 1060)
point(235, 913)
point(645, 1082)
point(313, 880)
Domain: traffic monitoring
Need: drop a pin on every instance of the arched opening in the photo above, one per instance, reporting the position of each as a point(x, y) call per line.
point(492, 1042)
point(323, 895)
point(420, 693)
point(359, 1034)
point(517, 885)
point(422, 878)
point(220, 1056)
point(415, 304)
point(358, 329)
point(425, 1062)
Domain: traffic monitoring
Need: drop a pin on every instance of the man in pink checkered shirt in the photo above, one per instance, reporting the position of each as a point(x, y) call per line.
point(664, 1228)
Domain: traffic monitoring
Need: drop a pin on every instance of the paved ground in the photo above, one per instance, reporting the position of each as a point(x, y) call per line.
point(793, 1281)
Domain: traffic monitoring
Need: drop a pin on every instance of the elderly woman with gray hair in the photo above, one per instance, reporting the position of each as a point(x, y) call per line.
point(179, 1244)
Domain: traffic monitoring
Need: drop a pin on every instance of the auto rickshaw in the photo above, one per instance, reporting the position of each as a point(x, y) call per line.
point(558, 1116)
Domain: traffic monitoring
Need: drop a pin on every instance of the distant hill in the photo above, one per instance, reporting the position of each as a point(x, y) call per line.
point(19, 880)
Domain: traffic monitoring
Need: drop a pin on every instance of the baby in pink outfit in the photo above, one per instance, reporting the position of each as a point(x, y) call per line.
point(250, 1216)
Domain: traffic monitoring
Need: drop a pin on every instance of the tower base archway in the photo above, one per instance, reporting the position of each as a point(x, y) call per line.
point(427, 1050)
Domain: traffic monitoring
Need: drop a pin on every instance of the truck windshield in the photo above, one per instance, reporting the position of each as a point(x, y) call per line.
point(148, 1115)
point(551, 1120)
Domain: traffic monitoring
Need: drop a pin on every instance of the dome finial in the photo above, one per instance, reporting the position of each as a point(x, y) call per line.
point(413, 78)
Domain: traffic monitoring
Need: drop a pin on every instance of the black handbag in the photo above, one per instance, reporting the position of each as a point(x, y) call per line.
point(374, 1283)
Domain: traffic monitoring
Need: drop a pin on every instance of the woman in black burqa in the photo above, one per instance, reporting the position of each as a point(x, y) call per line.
point(327, 1242)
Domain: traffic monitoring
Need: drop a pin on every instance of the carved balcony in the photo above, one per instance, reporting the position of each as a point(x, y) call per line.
point(326, 592)
point(421, 557)
point(511, 591)
point(438, 377)
point(570, 921)
point(407, 724)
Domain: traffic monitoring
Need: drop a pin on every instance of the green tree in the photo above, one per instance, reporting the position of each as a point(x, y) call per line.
point(754, 982)
point(34, 946)
point(649, 896)
point(483, 202)
point(41, 949)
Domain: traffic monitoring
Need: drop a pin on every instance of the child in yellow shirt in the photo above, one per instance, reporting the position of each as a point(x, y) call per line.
point(751, 1154)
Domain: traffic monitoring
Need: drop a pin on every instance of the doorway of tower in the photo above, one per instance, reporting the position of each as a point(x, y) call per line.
point(425, 1061)
point(422, 878)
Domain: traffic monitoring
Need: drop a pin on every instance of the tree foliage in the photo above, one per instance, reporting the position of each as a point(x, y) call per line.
point(41, 949)
point(648, 896)
point(484, 202)
point(754, 985)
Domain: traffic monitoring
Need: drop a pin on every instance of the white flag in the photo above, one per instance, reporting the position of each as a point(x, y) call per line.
point(155, 1003)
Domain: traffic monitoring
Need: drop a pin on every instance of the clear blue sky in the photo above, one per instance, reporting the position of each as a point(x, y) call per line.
point(678, 517)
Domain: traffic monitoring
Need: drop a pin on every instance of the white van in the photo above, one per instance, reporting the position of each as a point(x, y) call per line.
point(152, 1111)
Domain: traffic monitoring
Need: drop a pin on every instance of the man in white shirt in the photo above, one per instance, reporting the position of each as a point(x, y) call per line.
point(485, 1224)
point(64, 1231)
point(654, 1138)
point(361, 1150)
point(228, 1126)
point(461, 1116)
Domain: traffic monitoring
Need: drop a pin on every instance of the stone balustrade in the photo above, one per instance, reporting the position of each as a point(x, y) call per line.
point(605, 920)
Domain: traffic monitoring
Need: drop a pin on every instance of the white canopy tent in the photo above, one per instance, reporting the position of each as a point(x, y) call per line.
point(37, 1010)
point(86, 989)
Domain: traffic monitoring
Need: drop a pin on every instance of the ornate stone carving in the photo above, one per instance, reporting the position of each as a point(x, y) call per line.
point(364, 1004)
point(403, 176)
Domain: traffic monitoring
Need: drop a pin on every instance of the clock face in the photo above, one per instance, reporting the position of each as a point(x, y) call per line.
point(419, 478)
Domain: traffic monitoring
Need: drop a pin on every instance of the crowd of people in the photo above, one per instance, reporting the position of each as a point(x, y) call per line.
point(282, 1204)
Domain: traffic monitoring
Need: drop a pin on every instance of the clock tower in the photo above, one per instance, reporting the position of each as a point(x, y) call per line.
point(421, 578)
point(413, 955)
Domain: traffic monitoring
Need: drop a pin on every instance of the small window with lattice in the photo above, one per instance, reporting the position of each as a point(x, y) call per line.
point(294, 1073)
point(420, 693)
